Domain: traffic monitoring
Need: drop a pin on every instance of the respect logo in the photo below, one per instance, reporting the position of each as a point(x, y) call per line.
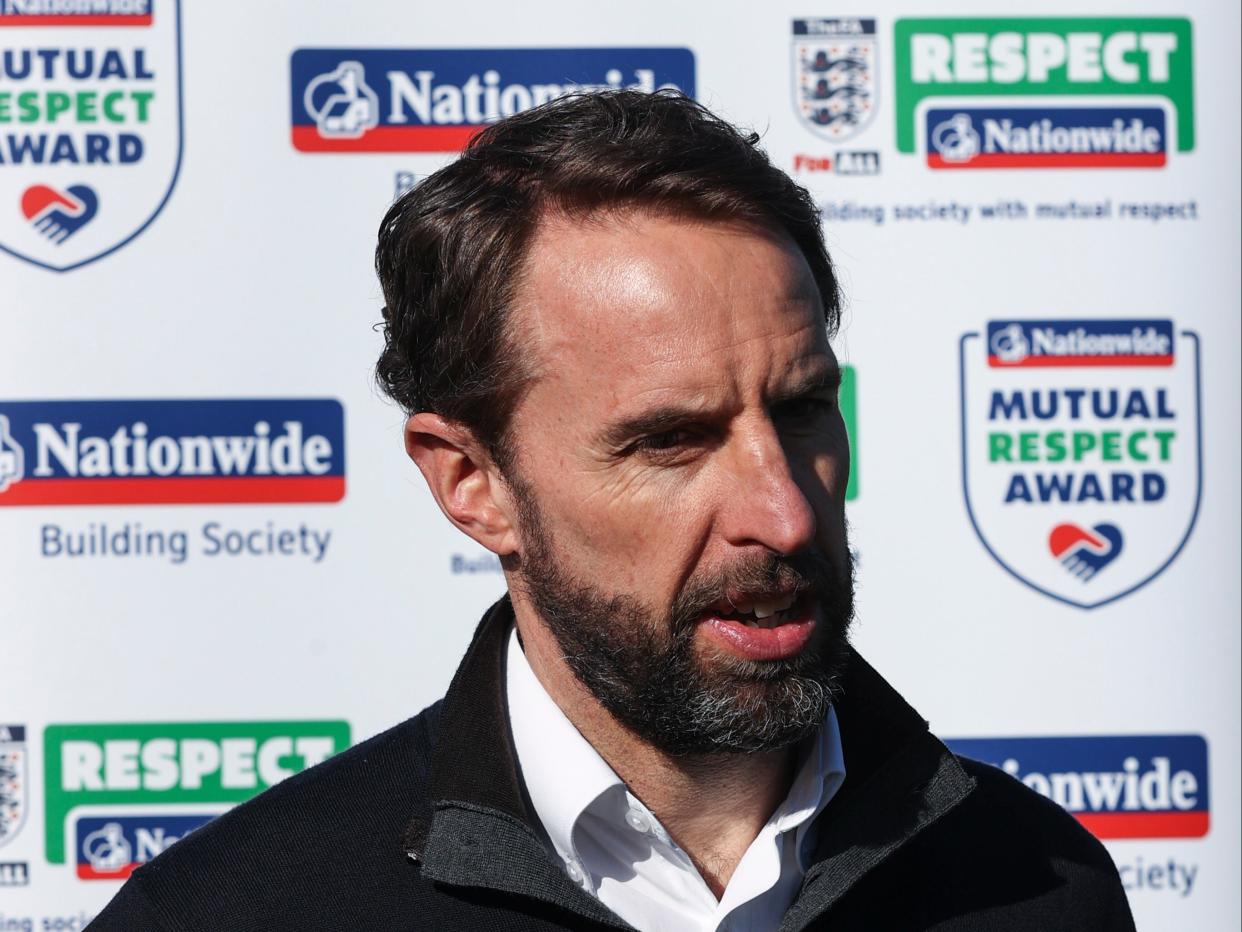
point(118, 794)
point(1081, 451)
point(1089, 84)
point(90, 125)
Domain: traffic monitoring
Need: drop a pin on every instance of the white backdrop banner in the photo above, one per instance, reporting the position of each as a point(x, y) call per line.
point(220, 568)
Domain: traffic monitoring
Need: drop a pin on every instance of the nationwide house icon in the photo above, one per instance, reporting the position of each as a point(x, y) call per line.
point(341, 103)
point(11, 457)
point(955, 139)
point(1010, 345)
point(107, 849)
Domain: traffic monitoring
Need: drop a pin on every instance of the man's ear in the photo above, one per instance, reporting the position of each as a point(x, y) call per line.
point(464, 480)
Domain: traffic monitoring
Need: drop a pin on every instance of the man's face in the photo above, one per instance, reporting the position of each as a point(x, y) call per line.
point(680, 469)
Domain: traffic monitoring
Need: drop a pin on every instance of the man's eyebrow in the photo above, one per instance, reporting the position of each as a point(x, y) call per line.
point(825, 379)
point(670, 417)
point(655, 421)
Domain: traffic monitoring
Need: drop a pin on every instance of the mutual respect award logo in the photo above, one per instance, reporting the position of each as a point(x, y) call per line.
point(90, 125)
point(1082, 451)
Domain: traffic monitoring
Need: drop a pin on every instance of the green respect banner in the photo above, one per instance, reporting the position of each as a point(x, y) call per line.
point(1112, 56)
point(151, 763)
point(848, 402)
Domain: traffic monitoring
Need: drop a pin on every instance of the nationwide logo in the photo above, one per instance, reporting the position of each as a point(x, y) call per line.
point(90, 125)
point(119, 794)
point(1050, 137)
point(1064, 92)
point(112, 847)
point(1129, 786)
point(12, 781)
point(1086, 343)
point(171, 452)
point(75, 12)
point(834, 75)
point(436, 100)
point(1082, 451)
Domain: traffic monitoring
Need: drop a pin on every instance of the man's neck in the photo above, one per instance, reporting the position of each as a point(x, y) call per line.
point(712, 806)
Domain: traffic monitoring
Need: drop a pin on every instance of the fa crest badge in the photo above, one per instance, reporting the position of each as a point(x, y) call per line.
point(12, 781)
point(834, 75)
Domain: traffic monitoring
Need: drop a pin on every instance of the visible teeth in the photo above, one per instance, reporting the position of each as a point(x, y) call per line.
point(767, 609)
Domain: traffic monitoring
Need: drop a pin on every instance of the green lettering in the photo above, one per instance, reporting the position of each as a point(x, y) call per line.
point(1084, 443)
point(1165, 439)
point(28, 104)
point(1110, 443)
point(85, 110)
point(1028, 446)
point(109, 106)
point(1000, 448)
point(142, 99)
point(1055, 441)
point(57, 103)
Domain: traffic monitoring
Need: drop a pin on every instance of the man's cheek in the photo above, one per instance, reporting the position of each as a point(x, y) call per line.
point(638, 496)
point(831, 470)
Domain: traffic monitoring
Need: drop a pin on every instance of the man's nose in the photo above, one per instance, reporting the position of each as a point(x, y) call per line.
point(765, 503)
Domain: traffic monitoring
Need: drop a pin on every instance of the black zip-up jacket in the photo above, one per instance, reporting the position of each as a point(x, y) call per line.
point(426, 827)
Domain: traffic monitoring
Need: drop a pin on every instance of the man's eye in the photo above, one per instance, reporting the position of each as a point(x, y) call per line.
point(805, 408)
point(664, 441)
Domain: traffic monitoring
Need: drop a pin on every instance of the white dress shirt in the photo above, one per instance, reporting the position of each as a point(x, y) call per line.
point(616, 849)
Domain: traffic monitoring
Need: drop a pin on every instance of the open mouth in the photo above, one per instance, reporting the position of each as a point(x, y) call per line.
point(760, 613)
point(770, 626)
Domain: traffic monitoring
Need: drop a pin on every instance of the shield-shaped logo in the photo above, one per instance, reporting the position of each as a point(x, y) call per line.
point(1082, 451)
point(93, 148)
point(12, 781)
point(834, 75)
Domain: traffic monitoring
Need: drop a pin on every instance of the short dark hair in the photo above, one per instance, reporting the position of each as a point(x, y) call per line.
point(451, 249)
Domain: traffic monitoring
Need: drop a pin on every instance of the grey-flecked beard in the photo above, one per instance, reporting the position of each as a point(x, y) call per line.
point(643, 668)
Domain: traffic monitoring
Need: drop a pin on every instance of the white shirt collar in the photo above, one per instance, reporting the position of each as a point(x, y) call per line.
point(572, 788)
point(563, 773)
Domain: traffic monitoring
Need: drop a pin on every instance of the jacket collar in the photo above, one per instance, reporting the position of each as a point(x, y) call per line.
point(480, 831)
